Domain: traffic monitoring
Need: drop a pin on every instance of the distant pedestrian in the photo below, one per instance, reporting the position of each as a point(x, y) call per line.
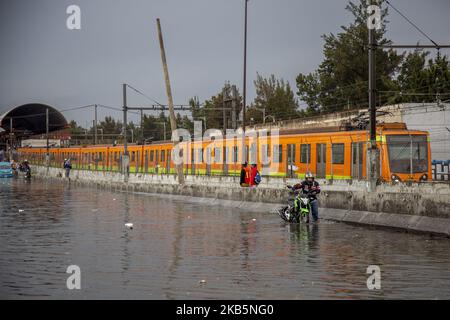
point(67, 167)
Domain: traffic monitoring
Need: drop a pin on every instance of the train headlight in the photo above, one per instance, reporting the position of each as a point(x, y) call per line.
point(424, 177)
point(395, 178)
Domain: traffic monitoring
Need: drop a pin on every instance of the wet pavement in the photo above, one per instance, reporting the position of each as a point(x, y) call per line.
point(182, 250)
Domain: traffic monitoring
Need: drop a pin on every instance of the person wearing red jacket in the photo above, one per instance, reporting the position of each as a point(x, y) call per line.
point(245, 175)
point(253, 172)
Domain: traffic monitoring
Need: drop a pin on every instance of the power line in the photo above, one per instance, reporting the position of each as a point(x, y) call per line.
point(143, 94)
point(410, 22)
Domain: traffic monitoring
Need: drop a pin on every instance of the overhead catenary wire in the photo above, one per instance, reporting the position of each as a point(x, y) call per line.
point(411, 23)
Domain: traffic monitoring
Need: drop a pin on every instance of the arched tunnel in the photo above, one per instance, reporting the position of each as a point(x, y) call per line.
point(30, 119)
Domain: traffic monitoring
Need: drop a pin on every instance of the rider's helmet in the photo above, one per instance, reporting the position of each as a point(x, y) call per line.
point(309, 175)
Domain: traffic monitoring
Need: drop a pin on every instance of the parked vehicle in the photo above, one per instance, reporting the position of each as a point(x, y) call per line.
point(6, 170)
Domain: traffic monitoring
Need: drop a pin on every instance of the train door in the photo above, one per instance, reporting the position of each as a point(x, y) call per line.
point(290, 169)
point(357, 160)
point(321, 160)
point(156, 161)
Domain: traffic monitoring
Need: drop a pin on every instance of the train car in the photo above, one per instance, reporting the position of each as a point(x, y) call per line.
point(404, 155)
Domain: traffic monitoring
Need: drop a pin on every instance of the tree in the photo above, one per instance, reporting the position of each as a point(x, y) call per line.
point(276, 97)
point(341, 80)
point(110, 126)
point(422, 81)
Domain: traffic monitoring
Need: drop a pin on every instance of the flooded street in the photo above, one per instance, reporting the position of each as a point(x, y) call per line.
point(180, 250)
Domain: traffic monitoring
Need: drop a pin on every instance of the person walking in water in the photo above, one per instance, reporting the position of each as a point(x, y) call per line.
point(67, 167)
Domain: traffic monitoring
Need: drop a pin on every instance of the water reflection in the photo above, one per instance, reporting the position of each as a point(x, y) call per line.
point(175, 245)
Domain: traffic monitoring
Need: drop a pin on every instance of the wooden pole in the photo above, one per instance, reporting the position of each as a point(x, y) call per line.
point(173, 122)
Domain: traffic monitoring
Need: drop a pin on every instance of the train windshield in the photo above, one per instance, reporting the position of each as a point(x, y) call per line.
point(407, 150)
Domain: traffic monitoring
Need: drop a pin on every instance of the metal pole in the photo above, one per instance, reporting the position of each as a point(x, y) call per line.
point(373, 154)
point(95, 125)
point(244, 86)
point(224, 96)
point(142, 126)
point(47, 131)
point(372, 86)
point(10, 139)
point(125, 144)
point(233, 107)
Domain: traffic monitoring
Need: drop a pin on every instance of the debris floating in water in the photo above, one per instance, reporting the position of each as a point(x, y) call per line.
point(202, 281)
point(21, 210)
point(253, 220)
point(129, 225)
point(114, 199)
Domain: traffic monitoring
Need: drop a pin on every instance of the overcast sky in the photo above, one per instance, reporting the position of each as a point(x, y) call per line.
point(42, 61)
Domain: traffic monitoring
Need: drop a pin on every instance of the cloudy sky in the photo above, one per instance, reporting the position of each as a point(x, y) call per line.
point(42, 61)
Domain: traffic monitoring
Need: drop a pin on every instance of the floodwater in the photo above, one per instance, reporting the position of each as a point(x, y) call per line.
point(180, 250)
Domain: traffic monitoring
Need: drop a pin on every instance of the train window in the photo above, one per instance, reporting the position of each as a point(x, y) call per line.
point(163, 155)
point(405, 150)
point(133, 156)
point(217, 155)
point(338, 153)
point(235, 154)
point(305, 153)
point(253, 156)
point(265, 154)
point(152, 155)
point(200, 155)
point(277, 153)
point(291, 153)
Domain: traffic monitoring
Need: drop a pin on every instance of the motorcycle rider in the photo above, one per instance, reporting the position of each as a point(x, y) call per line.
point(312, 188)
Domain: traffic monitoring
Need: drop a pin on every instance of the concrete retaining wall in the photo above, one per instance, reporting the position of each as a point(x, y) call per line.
point(417, 207)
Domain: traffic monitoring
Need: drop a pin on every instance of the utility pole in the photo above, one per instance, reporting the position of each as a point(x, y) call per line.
point(142, 126)
point(47, 125)
point(224, 101)
point(244, 87)
point(373, 154)
point(125, 162)
point(233, 107)
point(11, 134)
point(95, 125)
point(173, 122)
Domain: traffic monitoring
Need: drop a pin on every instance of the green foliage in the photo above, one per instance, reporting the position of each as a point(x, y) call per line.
point(276, 97)
point(341, 79)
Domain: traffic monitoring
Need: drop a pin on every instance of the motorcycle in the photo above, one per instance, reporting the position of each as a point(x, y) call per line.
point(298, 208)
